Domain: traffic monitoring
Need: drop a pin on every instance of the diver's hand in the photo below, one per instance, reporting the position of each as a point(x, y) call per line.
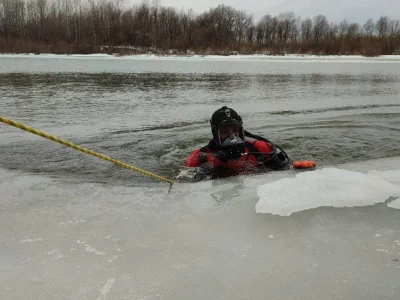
point(304, 164)
point(190, 174)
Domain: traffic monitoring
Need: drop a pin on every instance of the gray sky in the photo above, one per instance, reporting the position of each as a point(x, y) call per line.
point(335, 10)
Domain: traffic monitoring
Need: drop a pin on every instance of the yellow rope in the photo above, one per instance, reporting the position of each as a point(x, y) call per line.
point(84, 150)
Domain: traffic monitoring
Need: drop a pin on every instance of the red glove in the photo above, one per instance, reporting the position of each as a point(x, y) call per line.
point(304, 164)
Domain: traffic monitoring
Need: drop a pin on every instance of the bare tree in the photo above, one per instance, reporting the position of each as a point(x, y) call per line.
point(333, 31)
point(382, 26)
point(12, 18)
point(265, 30)
point(369, 28)
point(353, 31)
point(320, 29)
point(286, 26)
point(394, 28)
point(242, 23)
point(306, 29)
point(343, 28)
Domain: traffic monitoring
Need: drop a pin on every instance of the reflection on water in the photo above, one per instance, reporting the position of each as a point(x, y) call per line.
point(154, 120)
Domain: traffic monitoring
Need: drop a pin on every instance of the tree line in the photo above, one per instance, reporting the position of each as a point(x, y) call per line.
point(93, 26)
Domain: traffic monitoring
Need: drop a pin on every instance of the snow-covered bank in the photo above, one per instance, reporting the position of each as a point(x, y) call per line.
point(287, 57)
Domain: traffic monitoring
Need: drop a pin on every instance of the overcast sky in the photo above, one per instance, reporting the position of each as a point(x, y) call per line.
point(335, 10)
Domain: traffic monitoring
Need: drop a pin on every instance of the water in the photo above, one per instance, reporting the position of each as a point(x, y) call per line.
point(75, 227)
point(153, 113)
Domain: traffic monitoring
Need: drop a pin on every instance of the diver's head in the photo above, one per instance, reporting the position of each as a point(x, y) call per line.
point(228, 132)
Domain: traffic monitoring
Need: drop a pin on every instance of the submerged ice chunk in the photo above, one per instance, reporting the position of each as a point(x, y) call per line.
point(325, 187)
point(394, 204)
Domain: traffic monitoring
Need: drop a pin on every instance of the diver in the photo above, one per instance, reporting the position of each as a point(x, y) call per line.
point(234, 151)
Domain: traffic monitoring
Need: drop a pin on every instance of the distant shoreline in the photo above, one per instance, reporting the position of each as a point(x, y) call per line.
point(208, 56)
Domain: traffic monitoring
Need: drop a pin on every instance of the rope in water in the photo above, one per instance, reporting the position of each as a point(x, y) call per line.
point(84, 150)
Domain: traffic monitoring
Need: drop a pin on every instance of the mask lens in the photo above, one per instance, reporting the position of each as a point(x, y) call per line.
point(230, 134)
point(228, 130)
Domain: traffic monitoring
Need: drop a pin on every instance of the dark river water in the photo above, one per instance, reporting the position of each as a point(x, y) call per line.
point(152, 113)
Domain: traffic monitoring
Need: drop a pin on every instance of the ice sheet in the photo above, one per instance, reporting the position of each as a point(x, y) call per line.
point(68, 240)
point(327, 187)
